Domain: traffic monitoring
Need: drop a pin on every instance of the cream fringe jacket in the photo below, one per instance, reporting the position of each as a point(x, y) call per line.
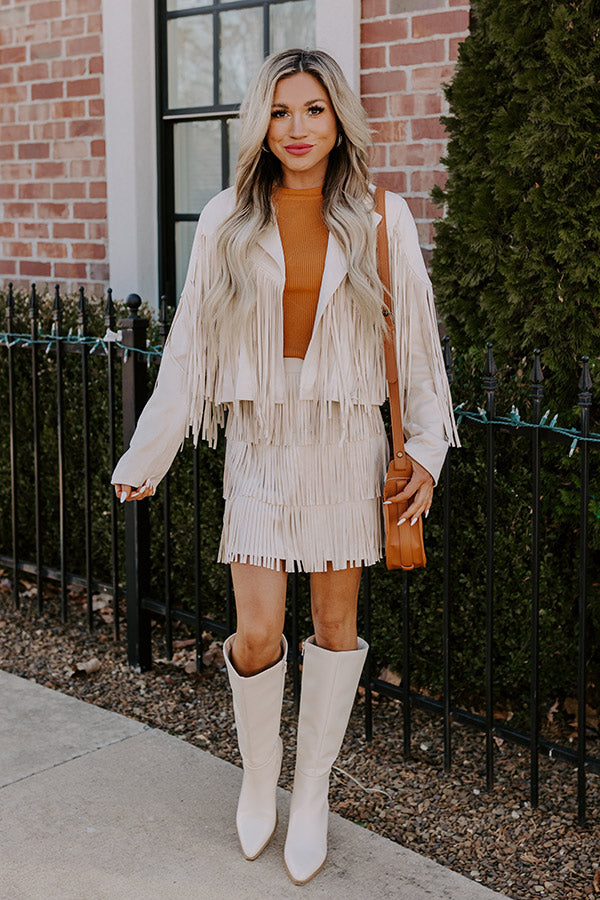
point(343, 363)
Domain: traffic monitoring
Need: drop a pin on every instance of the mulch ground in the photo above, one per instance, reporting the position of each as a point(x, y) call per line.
point(494, 838)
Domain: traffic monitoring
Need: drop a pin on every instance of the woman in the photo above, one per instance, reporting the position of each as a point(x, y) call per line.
point(280, 323)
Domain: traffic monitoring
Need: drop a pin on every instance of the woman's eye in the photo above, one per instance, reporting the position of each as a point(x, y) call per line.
point(277, 113)
point(315, 110)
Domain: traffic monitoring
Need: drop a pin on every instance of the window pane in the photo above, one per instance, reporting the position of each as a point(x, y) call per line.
point(234, 127)
point(190, 47)
point(197, 148)
point(241, 51)
point(292, 25)
point(186, 4)
point(184, 238)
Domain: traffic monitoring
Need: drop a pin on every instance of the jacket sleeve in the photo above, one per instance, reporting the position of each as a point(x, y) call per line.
point(428, 418)
point(164, 422)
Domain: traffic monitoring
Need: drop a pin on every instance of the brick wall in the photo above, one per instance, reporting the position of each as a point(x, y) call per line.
point(408, 49)
point(52, 157)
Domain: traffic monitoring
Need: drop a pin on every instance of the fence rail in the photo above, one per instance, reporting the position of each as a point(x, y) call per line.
point(126, 341)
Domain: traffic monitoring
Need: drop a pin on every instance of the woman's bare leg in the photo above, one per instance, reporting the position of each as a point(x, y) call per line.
point(334, 599)
point(260, 604)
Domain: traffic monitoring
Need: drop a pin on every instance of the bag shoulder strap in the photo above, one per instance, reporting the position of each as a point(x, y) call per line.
point(401, 461)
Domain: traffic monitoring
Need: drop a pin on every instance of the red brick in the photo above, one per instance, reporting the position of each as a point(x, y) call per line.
point(7, 191)
point(459, 3)
point(94, 24)
point(37, 31)
point(7, 75)
point(68, 68)
point(373, 8)
point(47, 50)
point(18, 249)
point(75, 149)
point(95, 288)
point(97, 231)
point(33, 229)
point(384, 31)
point(7, 151)
point(449, 22)
point(425, 232)
point(49, 130)
point(432, 210)
point(378, 156)
point(84, 46)
point(47, 90)
point(426, 179)
point(422, 155)
point(67, 27)
point(372, 58)
point(96, 65)
point(416, 206)
point(70, 270)
point(15, 172)
point(16, 15)
point(392, 181)
point(83, 87)
point(32, 71)
point(98, 148)
point(77, 7)
point(14, 133)
point(388, 132)
point(89, 210)
point(34, 190)
point(86, 127)
point(34, 151)
point(415, 53)
point(431, 77)
point(96, 107)
point(8, 267)
point(50, 170)
point(7, 113)
point(18, 210)
point(99, 271)
point(383, 82)
point(7, 229)
point(36, 269)
point(89, 251)
point(88, 168)
point(68, 109)
point(34, 112)
point(428, 128)
point(63, 190)
point(415, 104)
point(52, 250)
point(14, 93)
point(453, 46)
point(50, 10)
point(12, 55)
point(97, 190)
point(53, 210)
point(68, 230)
point(375, 106)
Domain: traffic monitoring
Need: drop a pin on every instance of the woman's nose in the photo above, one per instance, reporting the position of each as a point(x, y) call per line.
point(298, 126)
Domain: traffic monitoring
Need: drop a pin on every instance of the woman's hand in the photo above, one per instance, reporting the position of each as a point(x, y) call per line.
point(420, 488)
point(128, 492)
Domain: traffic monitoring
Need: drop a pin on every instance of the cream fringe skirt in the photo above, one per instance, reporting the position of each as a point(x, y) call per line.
point(307, 490)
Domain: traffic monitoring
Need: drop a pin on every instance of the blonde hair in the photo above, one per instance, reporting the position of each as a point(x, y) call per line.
point(347, 200)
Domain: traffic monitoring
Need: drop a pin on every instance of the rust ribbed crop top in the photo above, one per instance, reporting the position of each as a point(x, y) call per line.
point(304, 238)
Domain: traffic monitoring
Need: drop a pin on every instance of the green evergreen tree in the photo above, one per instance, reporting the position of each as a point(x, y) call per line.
point(517, 256)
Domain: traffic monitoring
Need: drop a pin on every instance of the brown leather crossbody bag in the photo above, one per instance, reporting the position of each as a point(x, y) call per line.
point(404, 546)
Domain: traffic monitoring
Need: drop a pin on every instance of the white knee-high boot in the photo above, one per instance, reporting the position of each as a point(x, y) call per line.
point(257, 703)
point(329, 682)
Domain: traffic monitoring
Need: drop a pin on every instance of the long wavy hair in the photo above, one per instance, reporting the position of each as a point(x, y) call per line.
point(347, 200)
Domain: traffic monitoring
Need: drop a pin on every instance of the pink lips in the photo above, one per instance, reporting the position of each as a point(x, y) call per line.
point(299, 149)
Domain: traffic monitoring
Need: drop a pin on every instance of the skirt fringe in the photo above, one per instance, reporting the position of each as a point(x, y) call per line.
point(309, 491)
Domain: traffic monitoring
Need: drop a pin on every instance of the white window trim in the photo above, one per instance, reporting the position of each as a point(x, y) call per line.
point(338, 33)
point(131, 166)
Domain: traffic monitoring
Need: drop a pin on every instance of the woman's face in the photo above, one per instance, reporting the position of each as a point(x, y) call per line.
point(303, 130)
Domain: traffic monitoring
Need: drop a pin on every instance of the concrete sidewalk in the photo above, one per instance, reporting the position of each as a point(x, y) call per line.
point(95, 806)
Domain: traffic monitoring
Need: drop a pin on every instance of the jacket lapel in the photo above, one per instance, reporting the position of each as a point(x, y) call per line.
point(270, 241)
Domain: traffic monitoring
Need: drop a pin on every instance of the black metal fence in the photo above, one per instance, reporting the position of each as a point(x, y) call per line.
point(126, 342)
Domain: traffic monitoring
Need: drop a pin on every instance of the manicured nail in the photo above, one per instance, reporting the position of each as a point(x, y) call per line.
point(123, 496)
point(387, 502)
point(401, 521)
point(413, 520)
point(426, 513)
